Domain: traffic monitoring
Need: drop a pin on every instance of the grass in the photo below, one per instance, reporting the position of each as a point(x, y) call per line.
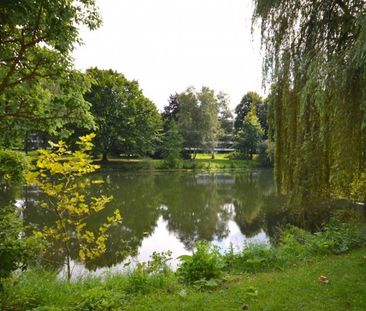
point(218, 156)
point(259, 277)
point(296, 288)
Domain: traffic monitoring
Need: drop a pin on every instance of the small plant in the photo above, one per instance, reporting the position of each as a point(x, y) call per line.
point(99, 299)
point(151, 274)
point(138, 280)
point(60, 175)
point(159, 262)
point(205, 263)
point(253, 258)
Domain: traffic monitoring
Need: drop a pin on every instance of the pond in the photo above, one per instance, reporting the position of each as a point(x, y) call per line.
point(164, 211)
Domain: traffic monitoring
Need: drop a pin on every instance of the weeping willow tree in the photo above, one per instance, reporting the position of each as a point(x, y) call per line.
point(315, 59)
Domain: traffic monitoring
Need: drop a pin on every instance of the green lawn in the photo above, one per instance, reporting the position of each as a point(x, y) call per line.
point(297, 288)
point(203, 161)
point(208, 156)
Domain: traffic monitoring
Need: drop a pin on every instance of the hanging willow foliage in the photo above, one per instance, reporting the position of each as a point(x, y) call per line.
point(315, 59)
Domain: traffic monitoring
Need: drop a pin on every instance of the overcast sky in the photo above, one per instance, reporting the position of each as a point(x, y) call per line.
point(168, 45)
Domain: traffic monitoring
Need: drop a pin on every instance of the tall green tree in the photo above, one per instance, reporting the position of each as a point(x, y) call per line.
point(244, 107)
point(226, 117)
point(315, 58)
point(226, 120)
point(198, 118)
point(126, 120)
point(189, 119)
point(171, 110)
point(210, 128)
point(249, 136)
point(172, 146)
point(38, 86)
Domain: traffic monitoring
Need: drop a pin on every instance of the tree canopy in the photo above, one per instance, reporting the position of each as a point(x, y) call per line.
point(199, 117)
point(171, 110)
point(315, 58)
point(244, 107)
point(126, 120)
point(172, 146)
point(249, 135)
point(250, 100)
point(38, 86)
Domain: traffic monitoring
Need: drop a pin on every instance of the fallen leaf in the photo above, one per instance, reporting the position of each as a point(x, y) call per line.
point(323, 279)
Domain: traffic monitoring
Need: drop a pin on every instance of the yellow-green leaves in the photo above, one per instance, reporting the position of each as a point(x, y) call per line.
point(61, 176)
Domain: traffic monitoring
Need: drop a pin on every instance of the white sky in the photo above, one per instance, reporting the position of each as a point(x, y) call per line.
point(168, 45)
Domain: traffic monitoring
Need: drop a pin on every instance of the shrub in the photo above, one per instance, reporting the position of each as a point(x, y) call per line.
point(16, 251)
point(206, 263)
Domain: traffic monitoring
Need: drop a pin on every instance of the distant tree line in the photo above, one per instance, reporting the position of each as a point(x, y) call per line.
point(203, 119)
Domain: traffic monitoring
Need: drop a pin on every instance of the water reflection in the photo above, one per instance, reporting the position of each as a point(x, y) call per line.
point(170, 211)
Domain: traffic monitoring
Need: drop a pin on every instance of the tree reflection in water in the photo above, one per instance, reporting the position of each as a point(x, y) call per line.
point(192, 206)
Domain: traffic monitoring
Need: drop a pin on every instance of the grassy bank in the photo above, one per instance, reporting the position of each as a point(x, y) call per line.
point(260, 277)
point(203, 161)
point(296, 288)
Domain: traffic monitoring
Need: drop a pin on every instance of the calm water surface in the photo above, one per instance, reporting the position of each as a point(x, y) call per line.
point(170, 211)
point(164, 211)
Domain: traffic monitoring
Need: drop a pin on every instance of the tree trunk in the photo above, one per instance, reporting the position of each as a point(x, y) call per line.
point(68, 267)
point(105, 156)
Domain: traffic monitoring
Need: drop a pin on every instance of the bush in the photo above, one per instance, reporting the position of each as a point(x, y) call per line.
point(16, 251)
point(13, 167)
point(205, 263)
